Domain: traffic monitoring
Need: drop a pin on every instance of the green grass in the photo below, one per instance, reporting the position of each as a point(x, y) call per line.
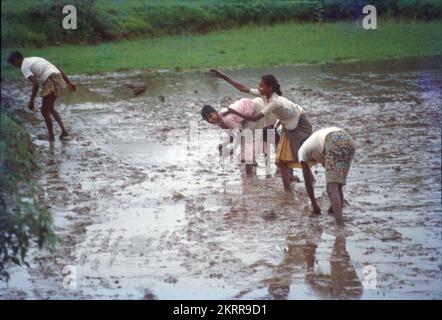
point(248, 46)
point(37, 23)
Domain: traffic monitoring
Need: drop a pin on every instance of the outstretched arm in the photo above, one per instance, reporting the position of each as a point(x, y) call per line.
point(70, 85)
point(218, 74)
point(309, 187)
point(248, 118)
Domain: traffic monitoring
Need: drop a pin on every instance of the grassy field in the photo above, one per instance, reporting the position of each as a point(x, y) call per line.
point(37, 23)
point(249, 46)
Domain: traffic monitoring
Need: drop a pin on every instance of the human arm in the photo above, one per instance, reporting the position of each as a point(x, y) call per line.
point(70, 85)
point(218, 74)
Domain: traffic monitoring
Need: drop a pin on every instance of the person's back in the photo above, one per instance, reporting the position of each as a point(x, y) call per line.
point(313, 148)
point(286, 109)
point(39, 67)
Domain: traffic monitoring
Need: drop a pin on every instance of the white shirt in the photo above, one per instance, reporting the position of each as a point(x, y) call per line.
point(313, 148)
point(285, 110)
point(38, 67)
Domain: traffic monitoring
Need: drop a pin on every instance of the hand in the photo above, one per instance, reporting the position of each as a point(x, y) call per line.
point(31, 105)
point(217, 74)
point(71, 86)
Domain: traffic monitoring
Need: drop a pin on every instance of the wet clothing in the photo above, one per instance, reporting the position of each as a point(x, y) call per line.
point(53, 85)
point(339, 151)
point(39, 67)
point(334, 148)
point(291, 141)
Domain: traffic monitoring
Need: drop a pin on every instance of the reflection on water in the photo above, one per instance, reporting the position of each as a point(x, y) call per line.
point(343, 281)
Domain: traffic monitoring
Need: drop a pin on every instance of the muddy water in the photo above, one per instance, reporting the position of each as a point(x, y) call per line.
point(147, 210)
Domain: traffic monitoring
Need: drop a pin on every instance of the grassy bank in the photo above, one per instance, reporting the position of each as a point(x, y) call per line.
point(249, 46)
point(37, 23)
point(23, 219)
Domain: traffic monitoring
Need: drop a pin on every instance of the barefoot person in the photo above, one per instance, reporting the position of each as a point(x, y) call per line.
point(228, 120)
point(334, 149)
point(40, 70)
point(296, 126)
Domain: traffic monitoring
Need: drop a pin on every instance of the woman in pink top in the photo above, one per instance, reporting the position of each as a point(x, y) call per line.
point(225, 119)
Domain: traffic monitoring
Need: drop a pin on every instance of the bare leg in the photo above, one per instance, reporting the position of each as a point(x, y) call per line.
point(341, 194)
point(293, 178)
point(336, 202)
point(45, 111)
point(285, 174)
point(51, 102)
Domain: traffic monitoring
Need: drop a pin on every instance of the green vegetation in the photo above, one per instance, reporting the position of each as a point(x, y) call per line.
point(23, 219)
point(37, 23)
point(249, 46)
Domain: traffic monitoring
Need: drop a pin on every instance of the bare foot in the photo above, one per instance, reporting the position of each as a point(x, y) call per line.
point(339, 222)
point(64, 136)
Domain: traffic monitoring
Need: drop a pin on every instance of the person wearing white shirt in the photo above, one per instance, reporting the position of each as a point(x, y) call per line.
point(296, 126)
point(38, 70)
point(334, 149)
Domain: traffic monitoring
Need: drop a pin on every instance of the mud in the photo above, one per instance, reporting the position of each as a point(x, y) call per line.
point(142, 214)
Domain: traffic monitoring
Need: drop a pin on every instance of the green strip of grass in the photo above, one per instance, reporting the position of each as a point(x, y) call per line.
point(37, 23)
point(249, 46)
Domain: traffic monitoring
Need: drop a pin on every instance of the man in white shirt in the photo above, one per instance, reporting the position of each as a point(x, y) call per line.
point(37, 70)
point(334, 149)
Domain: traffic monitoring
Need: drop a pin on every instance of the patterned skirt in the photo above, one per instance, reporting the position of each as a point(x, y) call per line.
point(291, 141)
point(52, 85)
point(339, 149)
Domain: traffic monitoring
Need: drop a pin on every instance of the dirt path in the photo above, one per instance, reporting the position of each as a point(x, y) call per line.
point(143, 214)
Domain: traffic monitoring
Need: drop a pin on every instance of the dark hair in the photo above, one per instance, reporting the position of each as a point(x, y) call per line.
point(14, 56)
point(271, 81)
point(206, 110)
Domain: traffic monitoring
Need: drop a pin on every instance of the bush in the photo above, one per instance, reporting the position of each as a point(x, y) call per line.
point(38, 23)
point(23, 219)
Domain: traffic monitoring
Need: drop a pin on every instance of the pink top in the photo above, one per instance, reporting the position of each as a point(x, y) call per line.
point(244, 106)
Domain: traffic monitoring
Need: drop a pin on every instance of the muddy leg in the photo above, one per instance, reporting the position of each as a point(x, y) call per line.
point(46, 112)
point(341, 194)
point(336, 202)
point(285, 174)
point(51, 101)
